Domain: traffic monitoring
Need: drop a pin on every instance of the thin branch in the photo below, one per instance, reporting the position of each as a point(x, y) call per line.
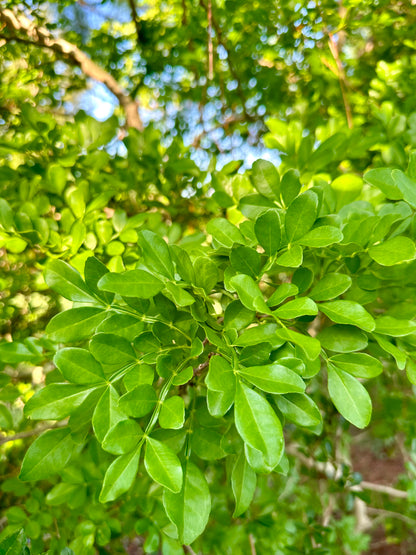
point(333, 47)
point(252, 544)
point(41, 37)
point(136, 20)
point(222, 41)
point(29, 433)
point(210, 46)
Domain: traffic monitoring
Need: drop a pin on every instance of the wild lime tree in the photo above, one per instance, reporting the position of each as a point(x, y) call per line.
point(189, 346)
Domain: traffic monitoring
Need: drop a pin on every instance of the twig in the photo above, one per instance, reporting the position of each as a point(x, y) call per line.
point(252, 544)
point(41, 37)
point(210, 47)
point(392, 514)
point(29, 433)
point(136, 20)
point(189, 549)
point(333, 47)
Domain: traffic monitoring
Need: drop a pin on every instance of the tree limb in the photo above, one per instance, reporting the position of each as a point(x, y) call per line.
point(41, 37)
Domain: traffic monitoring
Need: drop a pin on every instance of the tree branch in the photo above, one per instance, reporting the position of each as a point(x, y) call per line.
point(136, 20)
point(41, 37)
point(33, 432)
point(333, 47)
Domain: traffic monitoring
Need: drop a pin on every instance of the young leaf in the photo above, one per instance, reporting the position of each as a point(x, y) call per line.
point(393, 251)
point(292, 257)
point(299, 408)
point(224, 232)
point(243, 483)
point(258, 425)
point(309, 345)
point(359, 365)
point(189, 509)
point(249, 293)
point(322, 236)
point(65, 280)
point(162, 465)
point(387, 325)
point(47, 455)
point(172, 413)
point(349, 397)
point(156, 253)
point(78, 366)
point(348, 312)
point(298, 307)
point(133, 283)
point(266, 179)
point(120, 476)
point(331, 286)
point(178, 295)
point(273, 378)
point(301, 215)
point(267, 230)
point(75, 324)
point(343, 339)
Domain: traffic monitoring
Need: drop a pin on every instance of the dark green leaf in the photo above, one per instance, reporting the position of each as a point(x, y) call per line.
point(267, 230)
point(301, 215)
point(243, 482)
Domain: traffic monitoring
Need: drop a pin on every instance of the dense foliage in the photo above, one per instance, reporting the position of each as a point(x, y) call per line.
point(191, 342)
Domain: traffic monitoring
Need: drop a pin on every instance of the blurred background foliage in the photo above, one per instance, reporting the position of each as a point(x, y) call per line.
point(325, 88)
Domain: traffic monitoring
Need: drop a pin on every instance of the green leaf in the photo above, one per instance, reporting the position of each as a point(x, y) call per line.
point(343, 339)
point(220, 375)
point(301, 215)
point(249, 293)
point(122, 437)
point(56, 401)
point(398, 355)
point(292, 257)
point(189, 509)
point(406, 186)
point(267, 230)
point(282, 293)
point(393, 251)
point(139, 401)
point(15, 352)
point(243, 483)
point(206, 273)
point(349, 397)
point(120, 476)
point(387, 325)
point(133, 283)
point(300, 409)
point(331, 286)
point(309, 345)
point(322, 236)
point(237, 316)
point(162, 465)
point(47, 455)
point(348, 312)
point(156, 253)
point(359, 365)
point(258, 425)
point(256, 460)
point(75, 324)
point(109, 348)
point(183, 263)
point(290, 186)
point(383, 180)
point(266, 179)
point(246, 260)
point(140, 374)
point(6, 215)
point(224, 232)
point(219, 402)
point(172, 413)
point(107, 413)
point(65, 280)
point(178, 295)
point(206, 444)
point(301, 306)
point(273, 378)
point(94, 270)
point(78, 366)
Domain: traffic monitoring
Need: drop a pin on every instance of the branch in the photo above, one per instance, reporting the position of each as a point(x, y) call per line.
point(29, 433)
point(41, 37)
point(333, 47)
point(136, 20)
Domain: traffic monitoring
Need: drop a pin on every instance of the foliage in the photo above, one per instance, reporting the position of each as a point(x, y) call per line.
point(191, 344)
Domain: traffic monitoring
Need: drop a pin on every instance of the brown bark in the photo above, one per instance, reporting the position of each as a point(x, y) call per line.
point(22, 29)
